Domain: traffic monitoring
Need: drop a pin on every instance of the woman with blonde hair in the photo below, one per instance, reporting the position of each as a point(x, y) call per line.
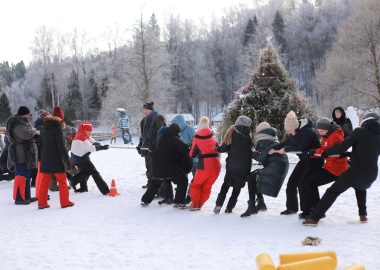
point(237, 142)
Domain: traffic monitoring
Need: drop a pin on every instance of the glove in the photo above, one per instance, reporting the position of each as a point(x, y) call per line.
point(311, 152)
point(104, 147)
point(69, 164)
point(95, 143)
point(323, 155)
point(138, 148)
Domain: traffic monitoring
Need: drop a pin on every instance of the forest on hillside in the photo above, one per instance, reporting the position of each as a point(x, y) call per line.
point(330, 47)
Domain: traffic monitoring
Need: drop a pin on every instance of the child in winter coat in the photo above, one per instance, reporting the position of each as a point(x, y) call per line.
point(237, 142)
point(81, 148)
point(268, 180)
point(208, 166)
point(113, 135)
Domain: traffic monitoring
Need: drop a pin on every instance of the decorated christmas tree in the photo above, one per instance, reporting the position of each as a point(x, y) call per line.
point(269, 96)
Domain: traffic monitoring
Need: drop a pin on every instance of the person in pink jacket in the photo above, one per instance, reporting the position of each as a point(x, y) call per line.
point(208, 166)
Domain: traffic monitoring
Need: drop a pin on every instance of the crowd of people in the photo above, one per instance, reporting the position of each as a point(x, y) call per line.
point(60, 153)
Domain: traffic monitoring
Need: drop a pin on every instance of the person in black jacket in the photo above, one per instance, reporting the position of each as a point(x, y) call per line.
point(339, 117)
point(166, 165)
point(53, 159)
point(149, 126)
point(300, 138)
point(363, 169)
point(268, 180)
point(237, 142)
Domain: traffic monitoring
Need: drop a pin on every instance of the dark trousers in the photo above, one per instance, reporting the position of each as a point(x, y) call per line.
point(252, 188)
point(301, 171)
point(155, 184)
point(88, 169)
point(235, 191)
point(319, 178)
point(332, 193)
point(148, 166)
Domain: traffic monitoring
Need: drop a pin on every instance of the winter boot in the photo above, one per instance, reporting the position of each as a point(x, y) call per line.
point(260, 206)
point(251, 210)
point(195, 206)
point(230, 205)
point(219, 203)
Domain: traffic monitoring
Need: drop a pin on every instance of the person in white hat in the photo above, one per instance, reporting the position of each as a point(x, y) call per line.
point(300, 138)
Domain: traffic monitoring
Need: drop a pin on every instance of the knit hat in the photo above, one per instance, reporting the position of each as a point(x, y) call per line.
point(161, 130)
point(262, 126)
point(58, 112)
point(22, 110)
point(149, 105)
point(87, 126)
point(203, 123)
point(291, 121)
point(42, 114)
point(243, 121)
point(370, 116)
point(323, 123)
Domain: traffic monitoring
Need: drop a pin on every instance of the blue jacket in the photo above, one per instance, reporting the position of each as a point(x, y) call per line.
point(187, 131)
point(123, 122)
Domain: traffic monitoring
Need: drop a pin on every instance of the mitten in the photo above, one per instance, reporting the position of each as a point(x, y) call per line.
point(69, 164)
point(95, 143)
point(345, 154)
point(311, 152)
point(104, 147)
point(323, 155)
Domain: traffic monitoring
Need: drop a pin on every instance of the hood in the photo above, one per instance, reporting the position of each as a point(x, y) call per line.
point(50, 121)
point(340, 120)
point(180, 120)
point(305, 122)
point(373, 125)
point(172, 130)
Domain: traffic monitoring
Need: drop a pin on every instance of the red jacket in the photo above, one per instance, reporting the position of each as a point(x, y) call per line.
point(204, 148)
point(334, 165)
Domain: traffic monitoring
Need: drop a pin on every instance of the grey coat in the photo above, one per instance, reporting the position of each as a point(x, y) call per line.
point(23, 146)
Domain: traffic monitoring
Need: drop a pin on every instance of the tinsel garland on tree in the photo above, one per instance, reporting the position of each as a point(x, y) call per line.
point(269, 96)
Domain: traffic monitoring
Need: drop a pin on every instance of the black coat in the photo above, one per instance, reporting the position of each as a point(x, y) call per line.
point(239, 161)
point(149, 126)
point(343, 121)
point(304, 140)
point(165, 156)
point(365, 143)
point(53, 152)
point(276, 166)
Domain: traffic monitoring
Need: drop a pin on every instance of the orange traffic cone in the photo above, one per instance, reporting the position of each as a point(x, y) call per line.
point(113, 191)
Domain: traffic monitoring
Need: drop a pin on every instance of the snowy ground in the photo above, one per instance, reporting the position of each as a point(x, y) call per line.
point(102, 232)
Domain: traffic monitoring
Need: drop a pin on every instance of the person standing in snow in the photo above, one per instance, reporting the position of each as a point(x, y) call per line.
point(81, 148)
point(363, 169)
point(166, 165)
point(123, 125)
point(204, 148)
point(22, 153)
point(237, 142)
point(340, 118)
point(53, 159)
point(300, 137)
point(187, 136)
point(268, 180)
point(149, 126)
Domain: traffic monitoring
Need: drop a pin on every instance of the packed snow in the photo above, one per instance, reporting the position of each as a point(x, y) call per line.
point(102, 232)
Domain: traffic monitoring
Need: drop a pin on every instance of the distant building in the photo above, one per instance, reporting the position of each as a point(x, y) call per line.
point(189, 118)
point(217, 119)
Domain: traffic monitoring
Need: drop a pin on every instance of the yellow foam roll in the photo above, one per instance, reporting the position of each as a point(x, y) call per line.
point(264, 262)
point(355, 266)
point(301, 256)
point(325, 263)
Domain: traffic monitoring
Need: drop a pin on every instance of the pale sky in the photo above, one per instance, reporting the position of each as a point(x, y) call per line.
point(20, 19)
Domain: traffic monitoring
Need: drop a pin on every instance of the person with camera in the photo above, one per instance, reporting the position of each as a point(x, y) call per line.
point(82, 146)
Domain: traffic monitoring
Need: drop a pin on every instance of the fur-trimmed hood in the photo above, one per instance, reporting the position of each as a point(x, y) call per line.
point(54, 121)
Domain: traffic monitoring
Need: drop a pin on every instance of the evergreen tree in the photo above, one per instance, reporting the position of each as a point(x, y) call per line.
point(74, 101)
point(104, 86)
point(49, 92)
point(5, 109)
point(279, 30)
point(250, 31)
point(20, 70)
point(94, 102)
point(269, 96)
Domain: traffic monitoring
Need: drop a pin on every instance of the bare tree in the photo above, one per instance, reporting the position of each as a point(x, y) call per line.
point(351, 75)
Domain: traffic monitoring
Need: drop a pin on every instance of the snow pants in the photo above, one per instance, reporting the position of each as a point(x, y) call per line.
point(87, 168)
point(62, 185)
point(21, 185)
point(200, 188)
